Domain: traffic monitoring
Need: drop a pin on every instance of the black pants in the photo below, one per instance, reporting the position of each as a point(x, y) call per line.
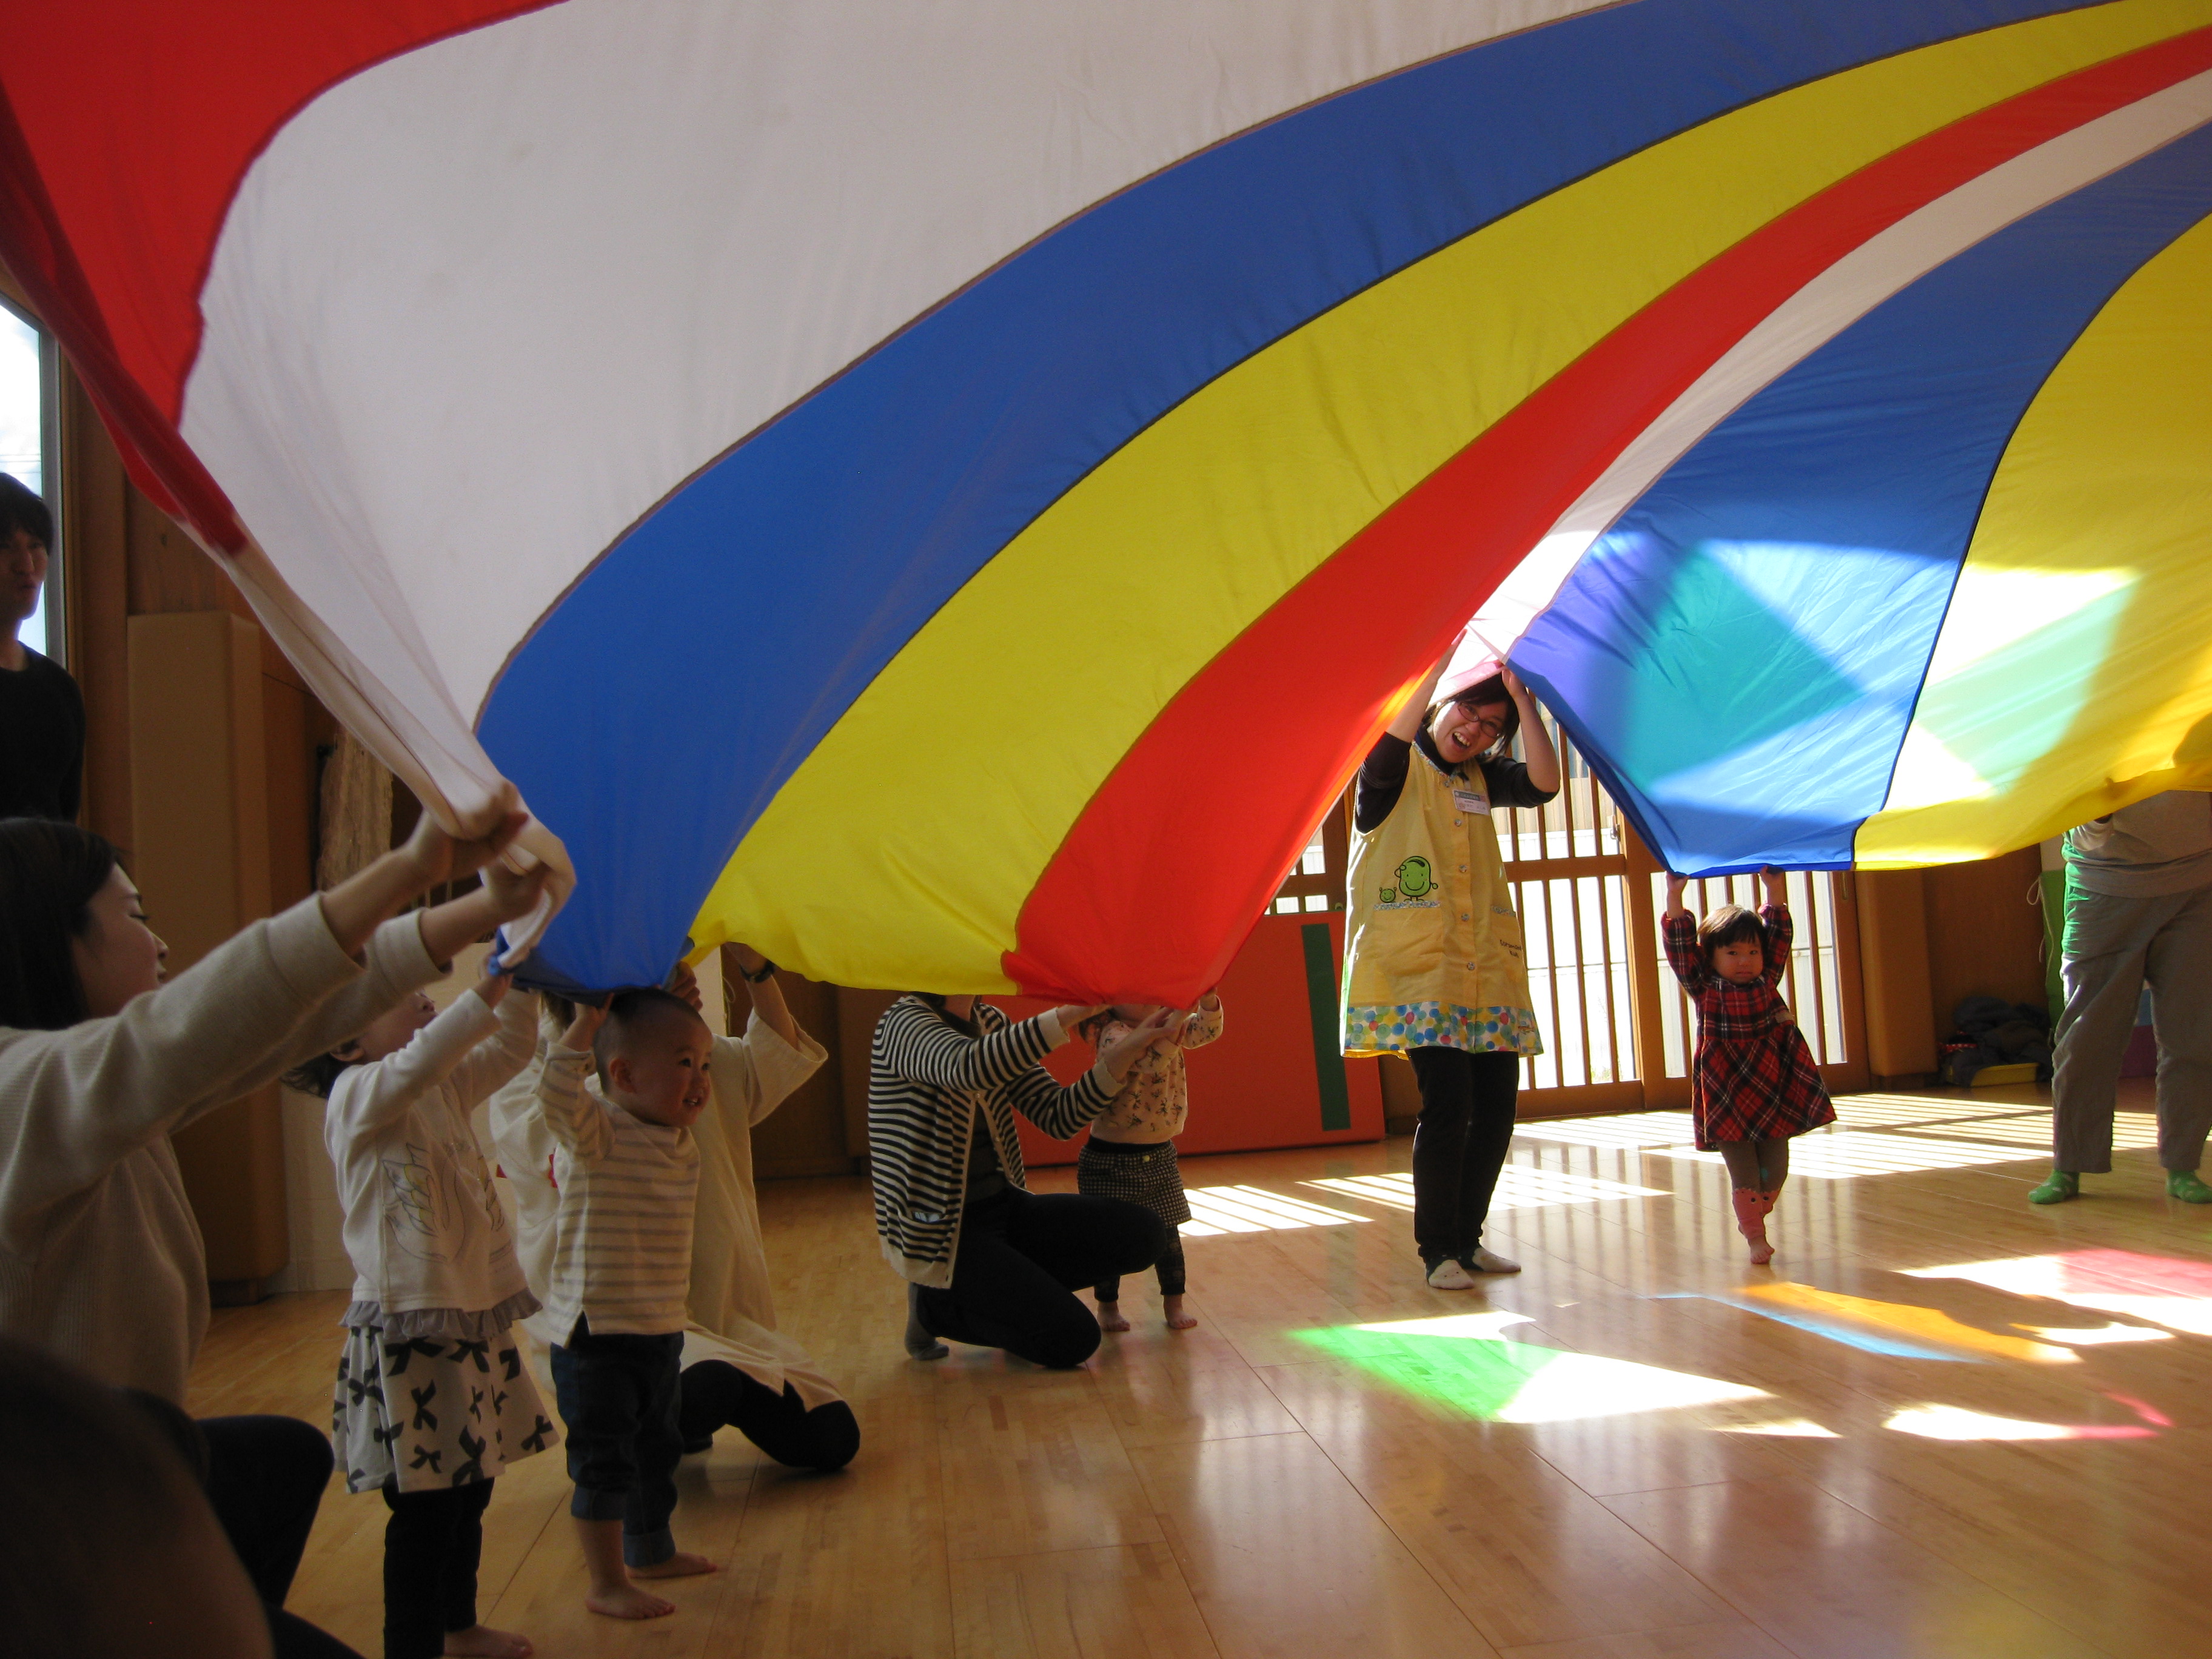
point(1459, 1145)
point(1021, 1259)
point(264, 1478)
point(715, 1392)
point(617, 1395)
point(431, 1547)
point(1168, 1267)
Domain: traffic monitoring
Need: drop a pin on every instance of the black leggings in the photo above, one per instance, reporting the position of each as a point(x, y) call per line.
point(1020, 1261)
point(715, 1392)
point(1170, 1267)
point(1459, 1145)
point(431, 1546)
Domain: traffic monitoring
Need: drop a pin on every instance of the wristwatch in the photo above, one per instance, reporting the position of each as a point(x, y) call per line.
point(767, 972)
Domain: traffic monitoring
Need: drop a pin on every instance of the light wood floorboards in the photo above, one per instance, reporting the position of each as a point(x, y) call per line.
point(1640, 1448)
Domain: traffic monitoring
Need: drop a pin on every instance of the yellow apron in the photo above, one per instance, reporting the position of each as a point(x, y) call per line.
point(1432, 944)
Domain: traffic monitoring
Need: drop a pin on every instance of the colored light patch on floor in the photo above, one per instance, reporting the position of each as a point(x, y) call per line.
point(2166, 1290)
point(1462, 1362)
point(1956, 1423)
point(1519, 1188)
point(1819, 1324)
point(1927, 1324)
point(1218, 1209)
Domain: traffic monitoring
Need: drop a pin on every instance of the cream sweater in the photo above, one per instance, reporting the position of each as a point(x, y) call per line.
point(100, 1258)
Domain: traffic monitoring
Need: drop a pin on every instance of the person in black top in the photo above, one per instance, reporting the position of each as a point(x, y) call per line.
point(1433, 965)
point(41, 711)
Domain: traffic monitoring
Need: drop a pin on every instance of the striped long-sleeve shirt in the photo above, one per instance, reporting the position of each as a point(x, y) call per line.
point(621, 1251)
point(927, 1080)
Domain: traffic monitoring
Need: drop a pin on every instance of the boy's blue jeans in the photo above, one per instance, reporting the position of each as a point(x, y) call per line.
point(617, 1394)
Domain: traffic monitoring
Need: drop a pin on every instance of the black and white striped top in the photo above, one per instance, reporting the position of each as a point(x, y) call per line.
point(926, 1078)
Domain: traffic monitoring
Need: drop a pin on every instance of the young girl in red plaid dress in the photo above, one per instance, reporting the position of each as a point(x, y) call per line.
point(1753, 1083)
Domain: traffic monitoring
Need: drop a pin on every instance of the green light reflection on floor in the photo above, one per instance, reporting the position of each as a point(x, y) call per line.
point(1462, 1362)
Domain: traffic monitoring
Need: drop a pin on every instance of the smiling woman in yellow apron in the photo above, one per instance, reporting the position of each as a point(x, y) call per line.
point(1433, 966)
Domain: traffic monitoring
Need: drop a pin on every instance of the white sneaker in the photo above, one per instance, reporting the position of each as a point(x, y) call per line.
point(1488, 1261)
point(1449, 1275)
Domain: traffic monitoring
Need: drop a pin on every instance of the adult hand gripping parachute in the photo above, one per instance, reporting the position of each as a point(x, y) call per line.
point(948, 493)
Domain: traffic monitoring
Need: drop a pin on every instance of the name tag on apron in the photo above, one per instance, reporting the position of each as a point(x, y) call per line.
point(1467, 801)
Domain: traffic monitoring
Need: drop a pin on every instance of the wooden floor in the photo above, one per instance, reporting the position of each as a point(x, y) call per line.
point(1944, 1423)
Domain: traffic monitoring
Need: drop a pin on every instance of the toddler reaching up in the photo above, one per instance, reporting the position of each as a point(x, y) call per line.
point(1752, 1081)
point(1131, 1152)
point(433, 1400)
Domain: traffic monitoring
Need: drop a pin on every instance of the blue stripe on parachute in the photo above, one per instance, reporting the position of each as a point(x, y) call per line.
point(1739, 658)
point(790, 571)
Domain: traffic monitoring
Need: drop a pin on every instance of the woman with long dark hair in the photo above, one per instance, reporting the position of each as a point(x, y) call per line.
point(100, 1258)
point(1433, 966)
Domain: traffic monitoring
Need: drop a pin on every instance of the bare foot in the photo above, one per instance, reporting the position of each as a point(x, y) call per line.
point(482, 1642)
point(678, 1565)
point(1110, 1317)
point(627, 1602)
point(1177, 1319)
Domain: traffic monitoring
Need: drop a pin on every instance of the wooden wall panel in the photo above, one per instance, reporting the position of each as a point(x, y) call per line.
point(199, 789)
point(1984, 937)
point(1900, 1007)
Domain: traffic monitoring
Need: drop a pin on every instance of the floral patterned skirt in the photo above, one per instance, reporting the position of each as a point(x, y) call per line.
point(1401, 1027)
point(423, 1411)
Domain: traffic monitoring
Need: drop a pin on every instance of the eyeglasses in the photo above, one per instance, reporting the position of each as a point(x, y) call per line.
point(1496, 728)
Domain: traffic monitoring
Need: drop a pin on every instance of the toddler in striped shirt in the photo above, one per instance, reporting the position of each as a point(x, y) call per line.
point(628, 1171)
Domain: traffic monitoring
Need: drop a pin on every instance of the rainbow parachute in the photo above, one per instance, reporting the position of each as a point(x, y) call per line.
point(948, 493)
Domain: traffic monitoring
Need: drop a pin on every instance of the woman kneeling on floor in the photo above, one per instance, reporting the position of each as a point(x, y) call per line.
point(986, 1260)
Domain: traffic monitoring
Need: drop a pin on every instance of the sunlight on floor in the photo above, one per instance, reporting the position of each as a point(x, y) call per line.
point(1956, 1423)
point(1845, 1154)
point(1461, 1360)
point(1791, 1428)
point(1520, 1187)
point(1629, 1129)
point(1218, 1209)
point(1875, 1111)
point(2164, 1290)
point(2099, 1336)
point(2131, 1130)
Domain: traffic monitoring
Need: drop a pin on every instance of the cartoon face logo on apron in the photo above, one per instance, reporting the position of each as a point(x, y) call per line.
point(1415, 879)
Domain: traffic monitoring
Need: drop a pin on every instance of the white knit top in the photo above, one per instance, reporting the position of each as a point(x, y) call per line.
point(423, 1223)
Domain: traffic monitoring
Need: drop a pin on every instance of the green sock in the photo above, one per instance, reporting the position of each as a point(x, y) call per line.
point(2058, 1186)
point(2184, 1185)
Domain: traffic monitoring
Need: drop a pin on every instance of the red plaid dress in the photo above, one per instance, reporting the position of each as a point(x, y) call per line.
point(1753, 1078)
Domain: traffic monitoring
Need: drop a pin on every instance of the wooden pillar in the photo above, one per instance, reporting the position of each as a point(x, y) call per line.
point(1901, 1021)
point(200, 855)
